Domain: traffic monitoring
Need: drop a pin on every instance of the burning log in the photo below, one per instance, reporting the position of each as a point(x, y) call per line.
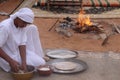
point(84, 24)
point(86, 28)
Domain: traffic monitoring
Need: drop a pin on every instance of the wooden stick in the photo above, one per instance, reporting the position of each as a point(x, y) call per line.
point(53, 25)
point(105, 41)
point(117, 29)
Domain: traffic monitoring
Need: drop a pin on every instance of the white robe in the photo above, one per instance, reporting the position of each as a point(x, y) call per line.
point(11, 37)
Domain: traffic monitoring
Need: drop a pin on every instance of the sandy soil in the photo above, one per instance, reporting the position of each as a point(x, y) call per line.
point(52, 39)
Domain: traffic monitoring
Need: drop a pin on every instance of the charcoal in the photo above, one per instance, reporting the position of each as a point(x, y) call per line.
point(68, 19)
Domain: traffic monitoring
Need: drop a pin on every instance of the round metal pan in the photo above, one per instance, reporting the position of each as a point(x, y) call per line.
point(61, 54)
point(77, 69)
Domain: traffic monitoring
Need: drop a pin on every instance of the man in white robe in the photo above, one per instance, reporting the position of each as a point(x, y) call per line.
point(19, 42)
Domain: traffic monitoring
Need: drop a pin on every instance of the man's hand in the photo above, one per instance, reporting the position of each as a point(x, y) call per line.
point(23, 67)
point(14, 65)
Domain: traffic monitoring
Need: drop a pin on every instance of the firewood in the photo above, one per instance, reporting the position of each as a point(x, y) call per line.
point(83, 29)
point(105, 40)
point(95, 29)
point(116, 28)
point(103, 36)
point(53, 25)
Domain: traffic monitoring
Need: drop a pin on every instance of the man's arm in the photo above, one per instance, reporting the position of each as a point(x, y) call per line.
point(22, 49)
point(13, 64)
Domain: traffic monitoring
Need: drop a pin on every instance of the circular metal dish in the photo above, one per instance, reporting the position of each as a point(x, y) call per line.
point(81, 65)
point(61, 54)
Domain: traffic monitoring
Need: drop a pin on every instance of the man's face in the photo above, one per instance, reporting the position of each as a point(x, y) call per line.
point(21, 23)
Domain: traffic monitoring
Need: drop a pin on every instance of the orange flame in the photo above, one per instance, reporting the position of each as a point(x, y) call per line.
point(84, 20)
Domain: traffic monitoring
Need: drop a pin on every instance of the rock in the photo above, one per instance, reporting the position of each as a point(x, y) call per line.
point(103, 36)
point(64, 32)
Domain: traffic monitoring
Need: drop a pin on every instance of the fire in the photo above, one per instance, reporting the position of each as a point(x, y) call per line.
point(84, 20)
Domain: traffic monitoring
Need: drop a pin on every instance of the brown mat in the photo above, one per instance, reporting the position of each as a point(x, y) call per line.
point(8, 6)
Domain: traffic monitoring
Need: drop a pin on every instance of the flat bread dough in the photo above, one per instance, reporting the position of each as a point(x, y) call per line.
point(61, 54)
point(66, 66)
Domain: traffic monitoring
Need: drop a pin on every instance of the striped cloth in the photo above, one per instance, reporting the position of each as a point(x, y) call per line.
point(103, 3)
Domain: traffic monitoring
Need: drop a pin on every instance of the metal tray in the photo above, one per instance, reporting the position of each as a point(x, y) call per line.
point(61, 54)
point(77, 69)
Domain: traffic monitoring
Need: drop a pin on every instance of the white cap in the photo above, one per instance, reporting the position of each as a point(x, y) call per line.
point(24, 14)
